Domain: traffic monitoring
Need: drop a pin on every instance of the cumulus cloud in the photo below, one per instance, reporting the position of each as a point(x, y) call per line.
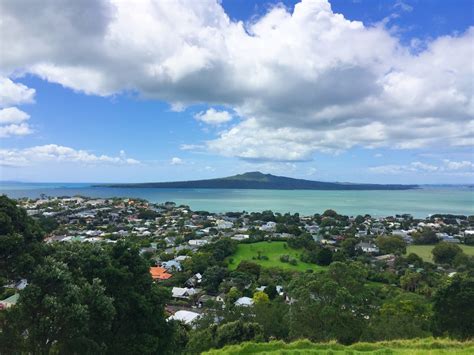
point(447, 167)
point(213, 117)
point(57, 153)
point(176, 161)
point(12, 115)
point(290, 74)
point(12, 119)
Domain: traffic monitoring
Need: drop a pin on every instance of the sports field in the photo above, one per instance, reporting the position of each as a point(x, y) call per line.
point(272, 250)
point(424, 251)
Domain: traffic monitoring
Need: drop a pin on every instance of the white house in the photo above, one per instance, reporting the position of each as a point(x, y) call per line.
point(268, 227)
point(183, 292)
point(240, 237)
point(244, 302)
point(222, 224)
point(197, 242)
point(367, 247)
point(186, 317)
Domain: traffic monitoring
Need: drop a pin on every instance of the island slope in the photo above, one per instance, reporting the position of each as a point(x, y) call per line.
point(258, 180)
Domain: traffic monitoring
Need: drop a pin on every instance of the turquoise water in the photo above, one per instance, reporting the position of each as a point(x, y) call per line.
point(419, 202)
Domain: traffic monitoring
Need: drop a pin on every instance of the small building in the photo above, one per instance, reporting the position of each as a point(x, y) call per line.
point(10, 301)
point(183, 292)
point(367, 247)
point(240, 237)
point(244, 302)
point(172, 265)
point(187, 317)
point(159, 273)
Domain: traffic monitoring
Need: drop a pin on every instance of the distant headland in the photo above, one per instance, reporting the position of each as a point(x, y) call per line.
point(258, 180)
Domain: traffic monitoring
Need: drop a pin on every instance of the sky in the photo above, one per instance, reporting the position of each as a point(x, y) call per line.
point(378, 91)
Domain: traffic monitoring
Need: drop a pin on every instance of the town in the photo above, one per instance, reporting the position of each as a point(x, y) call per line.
point(176, 242)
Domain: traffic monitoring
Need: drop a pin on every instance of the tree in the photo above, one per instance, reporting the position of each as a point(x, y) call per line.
point(212, 278)
point(324, 257)
point(331, 305)
point(330, 213)
point(453, 310)
point(444, 253)
point(57, 311)
point(405, 316)
point(260, 297)
point(348, 245)
point(271, 291)
point(20, 240)
point(90, 298)
point(274, 318)
point(410, 280)
point(391, 245)
point(237, 332)
point(249, 268)
point(233, 295)
point(425, 236)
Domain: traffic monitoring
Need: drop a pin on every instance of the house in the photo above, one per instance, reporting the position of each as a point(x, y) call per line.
point(171, 265)
point(244, 302)
point(204, 299)
point(220, 297)
point(387, 259)
point(197, 242)
point(159, 273)
point(183, 292)
point(222, 224)
point(187, 317)
point(268, 227)
point(240, 237)
point(194, 280)
point(367, 247)
point(9, 302)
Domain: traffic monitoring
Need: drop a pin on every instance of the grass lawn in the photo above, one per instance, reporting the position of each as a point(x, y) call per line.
point(273, 250)
point(424, 251)
point(406, 347)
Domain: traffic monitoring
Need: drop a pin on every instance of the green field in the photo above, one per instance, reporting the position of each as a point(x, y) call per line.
point(416, 346)
point(424, 251)
point(273, 250)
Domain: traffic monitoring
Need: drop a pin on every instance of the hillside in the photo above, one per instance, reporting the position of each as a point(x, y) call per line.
point(416, 346)
point(258, 180)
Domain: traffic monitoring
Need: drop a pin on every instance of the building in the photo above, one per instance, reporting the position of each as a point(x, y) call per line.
point(367, 247)
point(159, 273)
point(244, 302)
point(187, 317)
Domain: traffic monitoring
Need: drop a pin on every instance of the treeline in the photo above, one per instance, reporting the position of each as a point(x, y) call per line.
point(80, 298)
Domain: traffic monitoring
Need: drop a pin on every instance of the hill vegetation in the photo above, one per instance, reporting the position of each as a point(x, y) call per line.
point(416, 346)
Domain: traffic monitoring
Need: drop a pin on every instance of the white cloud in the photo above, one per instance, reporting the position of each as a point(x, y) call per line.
point(213, 117)
point(12, 115)
point(191, 146)
point(446, 167)
point(458, 165)
point(290, 76)
point(57, 153)
point(12, 93)
point(21, 129)
point(12, 119)
point(176, 161)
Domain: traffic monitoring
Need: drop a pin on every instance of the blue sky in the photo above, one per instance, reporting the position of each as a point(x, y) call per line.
point(360, 91)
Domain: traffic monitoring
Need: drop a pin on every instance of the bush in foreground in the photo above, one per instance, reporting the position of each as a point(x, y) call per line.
point(432, 346)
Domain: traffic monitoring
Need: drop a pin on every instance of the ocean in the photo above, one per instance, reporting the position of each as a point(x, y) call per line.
point(419, 202)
